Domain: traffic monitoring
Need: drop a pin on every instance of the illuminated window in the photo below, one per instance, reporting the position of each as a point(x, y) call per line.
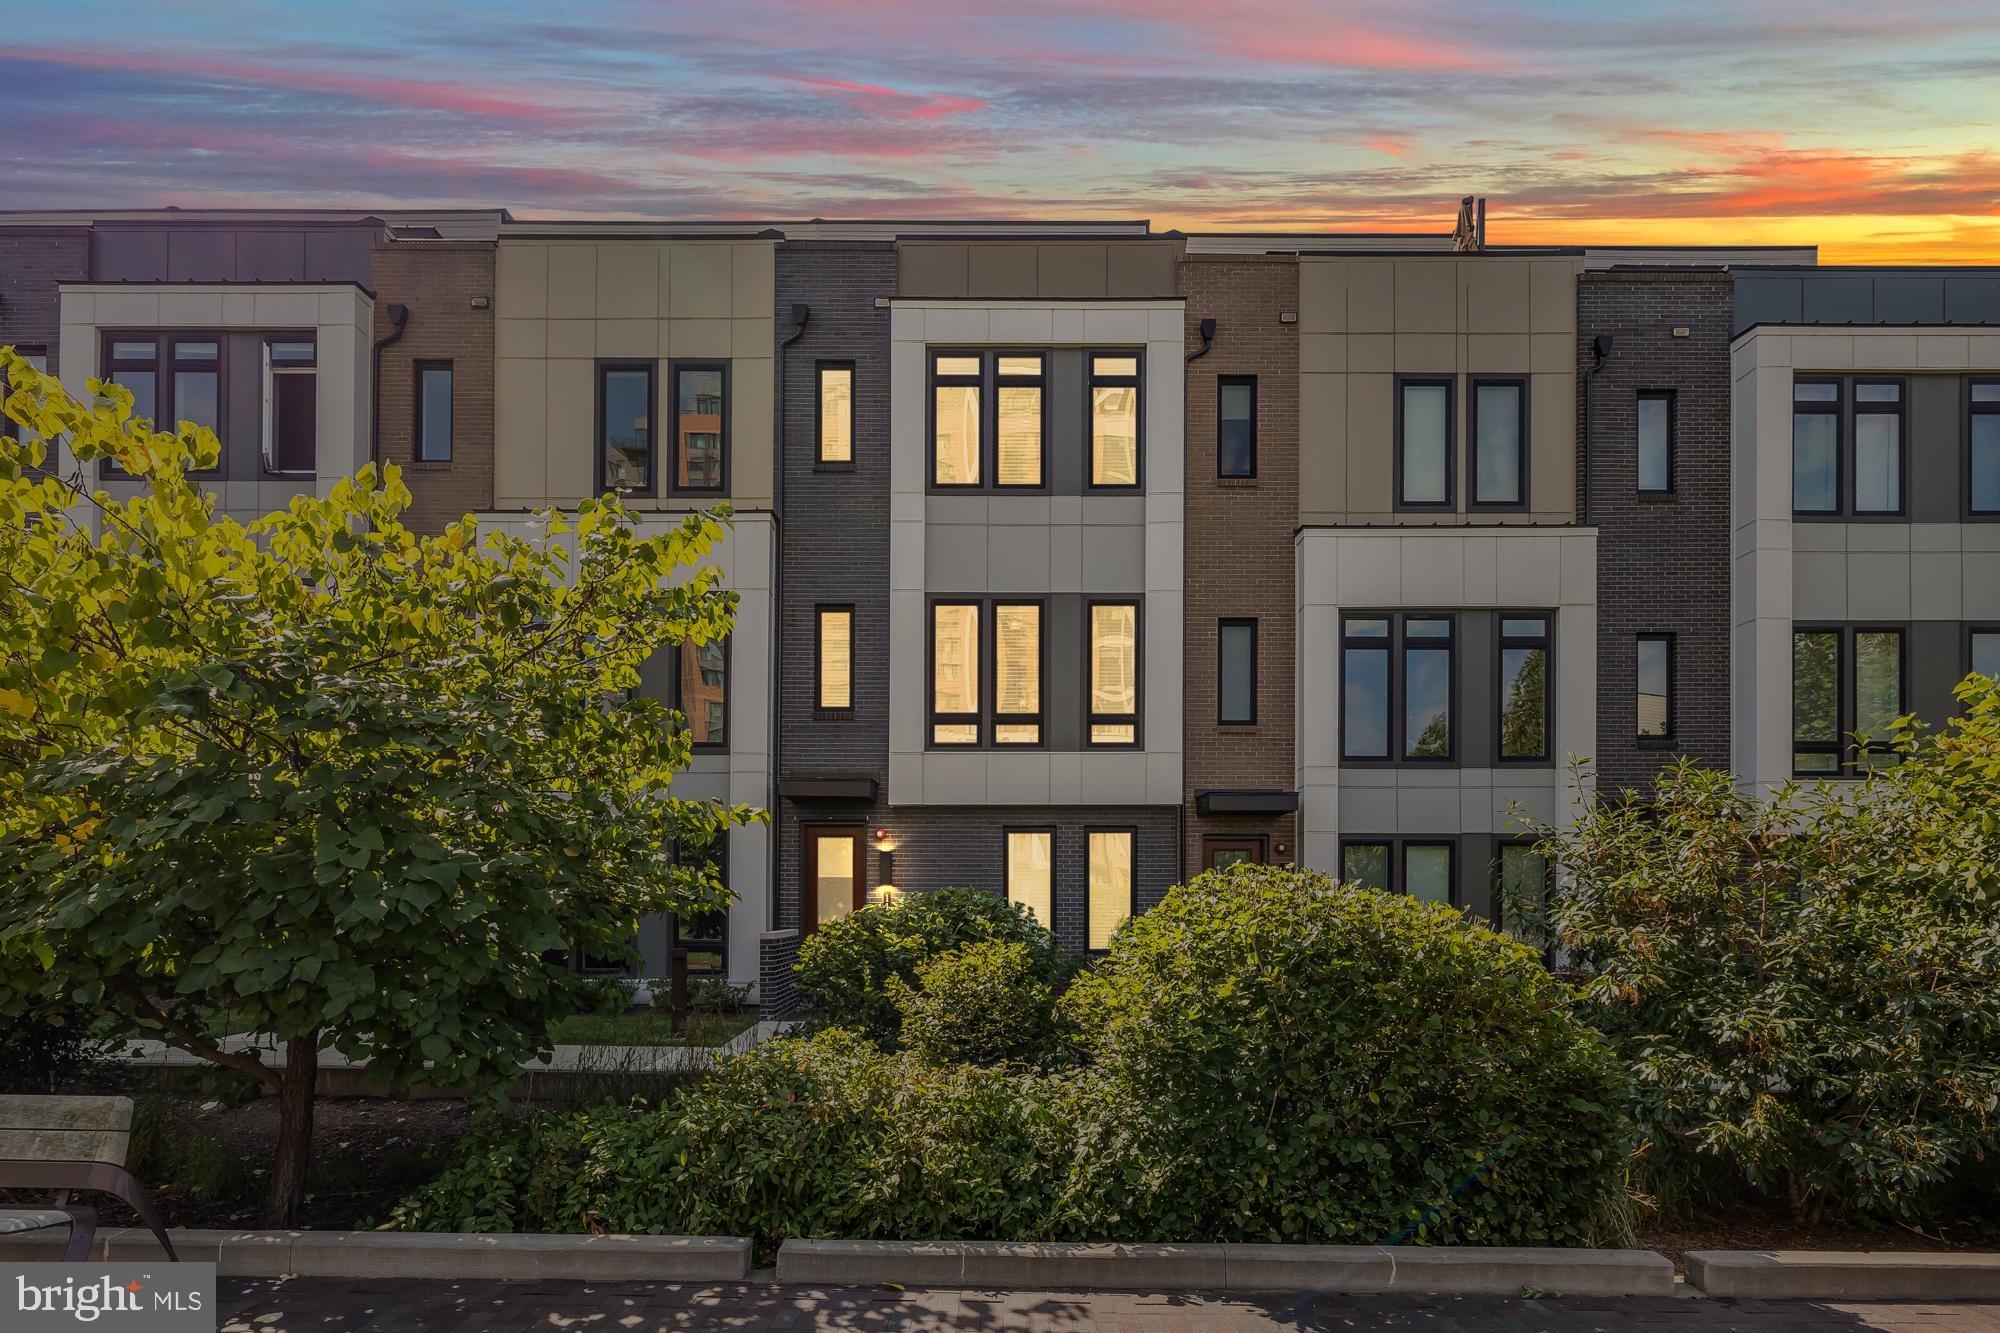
point(957, 444)
point(955, 673)
point(1110, 886)
point(960, 712)
point(1030, 862)
point(1017, 673)
point(1018, 428)
point(836, 657)
point(1114, 419)
point(836, 413)
point(1114, 673)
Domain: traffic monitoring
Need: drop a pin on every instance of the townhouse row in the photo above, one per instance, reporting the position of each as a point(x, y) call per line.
point(1074, 558)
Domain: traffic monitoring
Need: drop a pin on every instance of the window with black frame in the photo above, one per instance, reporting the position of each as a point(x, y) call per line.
point(1236, 426)
point(1499, 455)
point(1398, 678)
point(1982, 435)
point(701, 692)
point(701, 428)
point(705, 935)
point(1419, 867)
point(1847, 692)
point(1524, 687)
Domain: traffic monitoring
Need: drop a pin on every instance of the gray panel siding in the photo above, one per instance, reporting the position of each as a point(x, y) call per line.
point(1937, 418)
point(338, 253)
point(1068, 448)
point(1936, 661)
point(1851, 296)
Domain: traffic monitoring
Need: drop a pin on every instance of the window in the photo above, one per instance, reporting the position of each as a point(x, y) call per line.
point(701, 428)
point(625, 426)
point(1425, 867)
point(1859, 474)
point(955, 673)
point(291, 405)
point(1524, 687)
point(1655, 415)
point(706, 937)
point(433, 411)
point(1499, 428)
point(1372, 725)
point(173, 378)
point(701, 692)
point(1847, 690)
point(1114, 420)
point(1520, 891)
point(972, 445)
point(1423, 444)
point(835, 430)
point(1236, 426)
point(959, 709)
point(1114, 673)
point(1654, 686)
point(1236, 672)
point(1110, 884)
point(1030, 862)
point(1983, 444)
point(836, 657)
point(956, 442)
point(1985, 651)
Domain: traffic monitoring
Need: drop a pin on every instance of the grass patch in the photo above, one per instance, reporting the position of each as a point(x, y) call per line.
point(648, 1028)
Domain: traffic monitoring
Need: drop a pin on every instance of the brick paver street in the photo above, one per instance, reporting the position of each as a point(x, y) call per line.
point(340, 1305)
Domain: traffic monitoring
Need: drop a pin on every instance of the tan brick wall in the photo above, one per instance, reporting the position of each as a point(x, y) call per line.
point(438, 281)
point(1239, 538)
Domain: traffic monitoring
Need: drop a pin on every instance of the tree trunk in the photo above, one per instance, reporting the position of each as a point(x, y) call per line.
point(286, 1199)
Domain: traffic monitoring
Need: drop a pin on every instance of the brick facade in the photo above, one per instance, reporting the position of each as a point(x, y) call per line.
point(834, 535)
point(438, 281)
point(1239, 549)
point(1662, 561)
point(34, 262)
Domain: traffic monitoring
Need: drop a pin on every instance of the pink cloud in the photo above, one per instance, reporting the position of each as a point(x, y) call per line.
point(891, 102)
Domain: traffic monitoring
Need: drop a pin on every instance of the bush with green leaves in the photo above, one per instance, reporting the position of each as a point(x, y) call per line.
point(981, 1004)
point(1278, 1057)
point(844, 967)
point(1806, 983)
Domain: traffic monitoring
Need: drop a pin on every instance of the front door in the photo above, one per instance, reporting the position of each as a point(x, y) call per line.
point(1217, 853)
point(835, 881)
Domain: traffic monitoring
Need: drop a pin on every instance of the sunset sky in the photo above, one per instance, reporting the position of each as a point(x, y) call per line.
point(1872, 130)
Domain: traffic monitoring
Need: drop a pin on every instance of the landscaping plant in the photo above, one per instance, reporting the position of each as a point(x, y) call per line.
point(980, 1004)
point(324, 781)
point(1805, 984)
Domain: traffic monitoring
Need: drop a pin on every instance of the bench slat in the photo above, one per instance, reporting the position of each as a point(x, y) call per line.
point(63, 1145)
point(113, 1114)
point(16, 1220)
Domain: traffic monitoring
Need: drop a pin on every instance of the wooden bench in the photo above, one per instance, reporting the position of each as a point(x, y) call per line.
point(70, 1145)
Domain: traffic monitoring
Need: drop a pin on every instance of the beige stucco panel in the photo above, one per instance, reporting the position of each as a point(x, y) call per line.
point(1497, 295)
point(572, 281)
point(1426, 299)
point(572, 421)
point(521, 282)
point(750, 433)
point(1322, 297)
point(1370, 460)
point(1322, 444)
point(753, 281)
point(700, 274)
point(520, 431)
point(627, 282)
point(1552, 453)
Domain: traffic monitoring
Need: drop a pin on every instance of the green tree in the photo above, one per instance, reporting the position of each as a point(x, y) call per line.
point(322, 780)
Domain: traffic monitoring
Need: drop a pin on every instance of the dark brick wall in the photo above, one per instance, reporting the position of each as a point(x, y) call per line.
point(33, 262)
point(1239, 548)
point(777, 988)
point(834, 532)
point(1662, 562)
point(438, 280)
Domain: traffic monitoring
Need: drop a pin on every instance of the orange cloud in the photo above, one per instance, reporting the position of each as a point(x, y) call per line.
point(892, 102)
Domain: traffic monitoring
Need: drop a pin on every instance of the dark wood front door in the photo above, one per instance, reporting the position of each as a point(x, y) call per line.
point(834, 875)
point(1231, 852)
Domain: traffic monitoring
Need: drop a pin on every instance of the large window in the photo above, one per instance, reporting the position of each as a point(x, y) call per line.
point(172, 377)
point(701, 428)
point(1847, 688)
point(1114, 673)
point(706, 936)
point(1397, 683)
point(433, 383)
point(1423, 444)
point(1420, 868)
point(972, 446)
point(961, 712)
point(1520, 891)
point(1031, 872)
point(1524, 687)
point(1655, 419)
point(836, 657)
point(1236, 672)
point(1984, 646)
point(835, 429)
point(1499, 428)
point(1114, 420)
point(1983, 447)
point(701, 692)
point(625, 426)
point(291, 404)
point(1653, 686)
point(1236, 426)
point(1110, 883)
point(1847, 447)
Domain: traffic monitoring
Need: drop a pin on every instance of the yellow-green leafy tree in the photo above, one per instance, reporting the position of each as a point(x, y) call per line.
point(321, 780)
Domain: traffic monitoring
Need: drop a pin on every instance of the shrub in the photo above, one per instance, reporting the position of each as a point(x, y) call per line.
point(844, 967)
point(1277, 1057)
point(981, 1004)
point(43, 1050)
point(1806, 987)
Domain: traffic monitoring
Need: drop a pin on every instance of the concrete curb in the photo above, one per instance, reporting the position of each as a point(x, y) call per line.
point(1468, 1270)
point(1870, 1275)
point(416, 1254)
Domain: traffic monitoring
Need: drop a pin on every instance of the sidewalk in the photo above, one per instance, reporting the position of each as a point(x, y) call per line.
point(326, 1305)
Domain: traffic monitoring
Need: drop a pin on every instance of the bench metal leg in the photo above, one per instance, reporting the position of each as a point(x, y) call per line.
point(82, 1230)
